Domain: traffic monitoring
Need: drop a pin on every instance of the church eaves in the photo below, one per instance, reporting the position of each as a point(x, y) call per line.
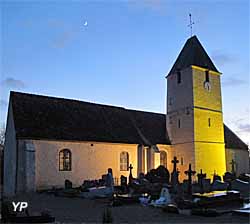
point(193, 54)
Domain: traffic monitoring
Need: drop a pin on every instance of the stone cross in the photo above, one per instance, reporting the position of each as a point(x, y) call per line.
point(190, 173)
point(201, 176)
point(175, 161)
point(233, 163)
point(130, 173)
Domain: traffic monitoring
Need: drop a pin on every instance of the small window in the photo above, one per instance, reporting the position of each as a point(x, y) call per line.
point(170, 101)
point(124, 161)
point(182, 161)
point(209, 122)
point(178, 77)
point(65, 160)
point(207, 76)
point(179, 123)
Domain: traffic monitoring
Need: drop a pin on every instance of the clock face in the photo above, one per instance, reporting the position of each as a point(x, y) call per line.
point(207, 86)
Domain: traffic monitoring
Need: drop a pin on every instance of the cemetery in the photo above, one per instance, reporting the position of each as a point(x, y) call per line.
point(157, 191)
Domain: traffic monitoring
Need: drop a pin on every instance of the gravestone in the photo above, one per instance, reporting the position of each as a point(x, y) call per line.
point(123, 181)
point(190, 173)
point(201, 176)
point(130, 174)
point(175, 174)
point(233, 170)
point(68, 184)
point(110, 179)
point(216, 177)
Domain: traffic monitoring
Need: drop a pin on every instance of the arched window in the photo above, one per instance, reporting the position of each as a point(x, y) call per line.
point(124, 161)
point(65, 160)
point(163, 158)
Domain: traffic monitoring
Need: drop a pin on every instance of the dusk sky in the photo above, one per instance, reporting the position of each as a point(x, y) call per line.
point(118, 53)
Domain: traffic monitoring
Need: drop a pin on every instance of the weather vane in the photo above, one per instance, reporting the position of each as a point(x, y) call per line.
point(191, 23)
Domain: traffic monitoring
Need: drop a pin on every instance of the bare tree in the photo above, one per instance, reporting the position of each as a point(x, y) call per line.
point(2, 134)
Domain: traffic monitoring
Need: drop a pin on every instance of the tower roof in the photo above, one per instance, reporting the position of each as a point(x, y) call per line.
point(193, 54)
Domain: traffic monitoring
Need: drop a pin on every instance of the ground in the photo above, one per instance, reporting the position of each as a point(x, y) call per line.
point(77, 210)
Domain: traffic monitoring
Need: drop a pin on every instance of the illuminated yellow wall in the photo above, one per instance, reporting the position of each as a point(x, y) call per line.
point(210, 157)
point(195, 141)
point(204, 132)
point(203, 98)
point(88, 162)
point(208, 135)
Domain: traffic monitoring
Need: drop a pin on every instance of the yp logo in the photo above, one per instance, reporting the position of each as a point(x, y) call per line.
point(20, 205)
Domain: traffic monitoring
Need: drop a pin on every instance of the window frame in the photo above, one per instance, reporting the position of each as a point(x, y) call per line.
point(207, 78)
point(124, 163)
point(165, 162)
point(63, 152)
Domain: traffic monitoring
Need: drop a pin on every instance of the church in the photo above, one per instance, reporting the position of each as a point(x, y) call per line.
point(49, 140)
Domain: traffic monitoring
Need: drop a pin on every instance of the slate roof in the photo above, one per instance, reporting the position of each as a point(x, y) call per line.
point(193, 54)
point(43, 117)
point(232, 140)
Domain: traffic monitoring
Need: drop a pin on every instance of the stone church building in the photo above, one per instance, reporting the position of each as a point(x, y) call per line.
point(51, 139)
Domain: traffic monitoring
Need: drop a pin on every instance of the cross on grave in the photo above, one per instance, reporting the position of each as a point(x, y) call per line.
point(201, 176)
point(233, 163)
point(175, 161)
point(130, 173)
point(190, 173)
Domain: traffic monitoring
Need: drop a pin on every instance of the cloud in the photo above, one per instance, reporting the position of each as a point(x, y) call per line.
point(63, 39)
point(244, 127)
point(158, 6)
point(234, 82)
point(222, 58)
point(13, 83)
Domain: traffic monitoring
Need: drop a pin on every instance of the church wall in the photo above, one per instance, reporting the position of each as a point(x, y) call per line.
point(241, 157)
point(169, 150)
point(9, 179)
point(210, 157)
point(202, 130)
point(202, 97)
point(88, 162)
point(185, 154)
point(180, 108)
point(177, 96)
point(21, 167)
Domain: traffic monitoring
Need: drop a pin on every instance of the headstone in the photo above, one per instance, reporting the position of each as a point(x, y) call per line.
point(233, 170)
point(206, 185)
point(130, 174)
point(190, 173)
point(201, 176)
point(216, 177)
point(110, 179)
point(164, 199)
point(219, 186)
point(68, 184)
point(162, 174)
point(123, 181)
point(175, 174)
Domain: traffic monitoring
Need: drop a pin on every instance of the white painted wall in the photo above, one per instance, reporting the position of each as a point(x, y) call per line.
point(88, 162)
point(241, 157)
point(9, 156)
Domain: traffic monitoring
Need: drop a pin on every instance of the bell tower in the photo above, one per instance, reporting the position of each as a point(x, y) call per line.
point(194, 111)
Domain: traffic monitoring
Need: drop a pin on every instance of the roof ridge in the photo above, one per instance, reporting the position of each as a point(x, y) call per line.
point(63, 98)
